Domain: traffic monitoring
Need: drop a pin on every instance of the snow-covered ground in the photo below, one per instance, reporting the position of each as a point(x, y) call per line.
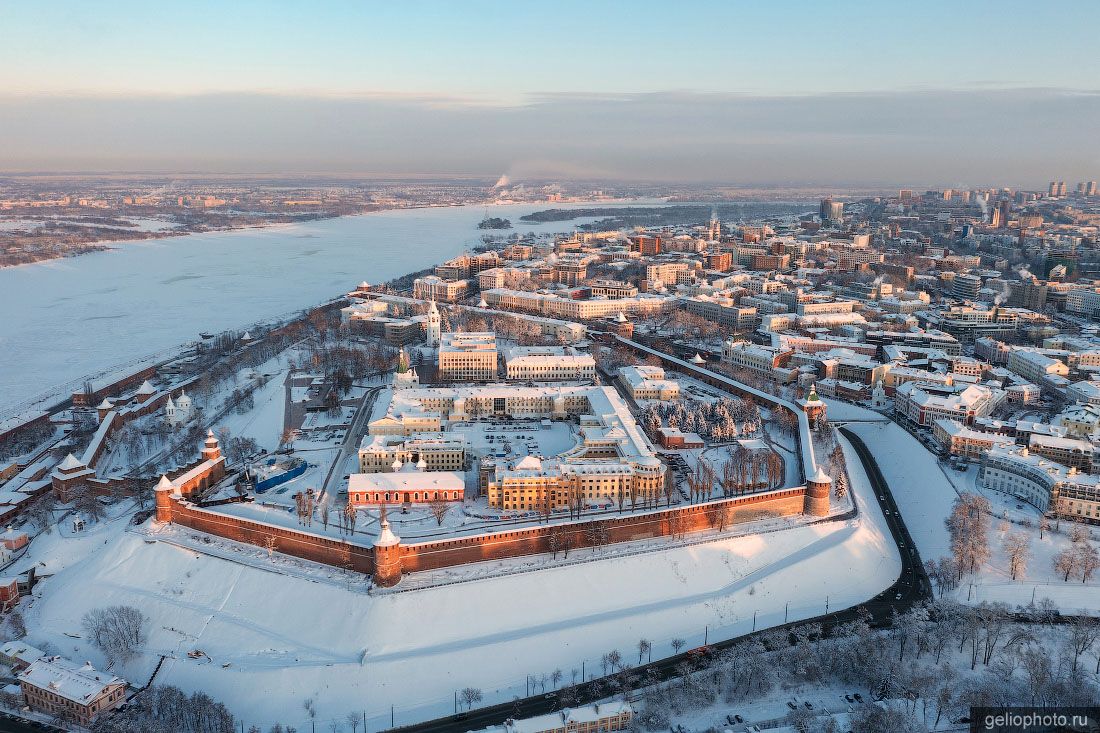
point(264, 422)
point(925, 490)
point(841, 411)
point(275, 640)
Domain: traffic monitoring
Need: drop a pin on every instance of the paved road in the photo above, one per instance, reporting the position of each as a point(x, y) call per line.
point(351, 439)
point(12, 724)
point(911, 587)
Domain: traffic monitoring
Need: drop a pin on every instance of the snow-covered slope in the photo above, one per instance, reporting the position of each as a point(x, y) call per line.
point(283, 639)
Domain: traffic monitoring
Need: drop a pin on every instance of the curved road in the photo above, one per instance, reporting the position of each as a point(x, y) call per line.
point(911, 588)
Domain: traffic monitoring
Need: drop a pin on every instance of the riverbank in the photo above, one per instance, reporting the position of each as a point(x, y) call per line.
point(73, 317)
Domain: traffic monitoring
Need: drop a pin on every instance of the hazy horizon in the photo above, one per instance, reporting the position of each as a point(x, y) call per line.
point(854, 94)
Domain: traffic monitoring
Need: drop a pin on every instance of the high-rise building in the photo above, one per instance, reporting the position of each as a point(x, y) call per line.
point(998, 215)
point(1027, 294)
point(1090, 188)
point(831, 210)
point(1056, 188)
point(714, 230)
point(966, 286)
point(905, 196)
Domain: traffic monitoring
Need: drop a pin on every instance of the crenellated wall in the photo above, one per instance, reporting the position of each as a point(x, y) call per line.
point(491, 546)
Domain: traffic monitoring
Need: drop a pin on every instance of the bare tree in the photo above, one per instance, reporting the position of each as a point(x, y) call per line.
point(968, 526)
point(118, 631)
point(470, 695)
point(353, 720)
point(1065, 562)
point(644, 647)
point(1083, 633)
point(1017, 547)
point(677, 645)
point(1087, 559)
point(16, 625)
point(1078, 534)
point(351, 514)
point(439, 509)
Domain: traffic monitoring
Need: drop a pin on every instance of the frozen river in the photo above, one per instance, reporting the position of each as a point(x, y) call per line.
point(64, 319)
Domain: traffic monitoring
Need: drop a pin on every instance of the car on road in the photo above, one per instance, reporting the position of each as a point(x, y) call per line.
point(791, 705)
point(809, 705)
point(849, 698)
point(858, 697)
point(897, 597)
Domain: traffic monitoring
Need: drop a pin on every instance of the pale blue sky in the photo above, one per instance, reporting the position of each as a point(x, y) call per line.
point(509, 50)
point(959, 93)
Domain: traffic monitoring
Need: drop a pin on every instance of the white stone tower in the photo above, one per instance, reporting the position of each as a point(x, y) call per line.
point(434, 327)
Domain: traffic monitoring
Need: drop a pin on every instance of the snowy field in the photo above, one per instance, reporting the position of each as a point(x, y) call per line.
point(276, 640)
point(74, 317)
point(925, 490)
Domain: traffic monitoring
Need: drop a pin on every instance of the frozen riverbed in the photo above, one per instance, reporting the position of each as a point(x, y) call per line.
point(68, 318)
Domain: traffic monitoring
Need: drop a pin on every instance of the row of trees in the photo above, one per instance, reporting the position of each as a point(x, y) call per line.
point(968, 526)
point(167, 709)
point(930, 666)
point(722, 420)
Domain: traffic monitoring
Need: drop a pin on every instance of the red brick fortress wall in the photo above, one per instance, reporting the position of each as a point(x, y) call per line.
point(305, 545)
point(492, 546)
point(659, 523)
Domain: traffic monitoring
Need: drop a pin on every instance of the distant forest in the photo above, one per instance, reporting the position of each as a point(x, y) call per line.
point(619, 217)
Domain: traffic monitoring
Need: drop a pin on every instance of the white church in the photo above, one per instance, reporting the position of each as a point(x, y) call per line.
point(178, 411)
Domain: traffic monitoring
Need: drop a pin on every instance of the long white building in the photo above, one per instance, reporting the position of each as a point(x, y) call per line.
point(548, 364)
point(577, 310)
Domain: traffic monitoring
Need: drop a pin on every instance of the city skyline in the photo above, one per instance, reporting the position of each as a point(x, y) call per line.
point(744, 95)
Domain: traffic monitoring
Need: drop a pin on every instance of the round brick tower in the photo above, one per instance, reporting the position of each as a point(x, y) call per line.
point(818, 488)
point(387, 557)
point(163, 493)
